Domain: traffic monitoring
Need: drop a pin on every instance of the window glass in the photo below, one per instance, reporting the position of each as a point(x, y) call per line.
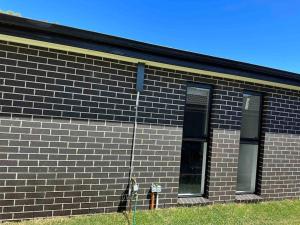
point(247, 168)
point(196, 113)
point(250, 117)
point(246, 177)
point(191, 170)
point(194, 144)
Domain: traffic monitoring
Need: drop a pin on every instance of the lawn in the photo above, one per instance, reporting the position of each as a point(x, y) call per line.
point(280, 212)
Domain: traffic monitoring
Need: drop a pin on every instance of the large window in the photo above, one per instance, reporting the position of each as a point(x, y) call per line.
point(250, 132)
point(195, 137)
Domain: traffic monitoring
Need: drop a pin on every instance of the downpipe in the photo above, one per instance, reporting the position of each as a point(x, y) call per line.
point(133, 186)
point(133, 144)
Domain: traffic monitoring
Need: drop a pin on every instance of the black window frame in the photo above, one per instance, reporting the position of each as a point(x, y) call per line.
point(210, 88)
point(205, 138)
point(254, 141)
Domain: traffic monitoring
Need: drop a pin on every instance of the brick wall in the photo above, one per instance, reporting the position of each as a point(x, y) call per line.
point(223, 161)
point(66, 127)
point(66, 123)
point(224, 146)
point(280, 164)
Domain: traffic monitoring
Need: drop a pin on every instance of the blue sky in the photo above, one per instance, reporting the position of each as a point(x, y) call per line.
point(263, 32)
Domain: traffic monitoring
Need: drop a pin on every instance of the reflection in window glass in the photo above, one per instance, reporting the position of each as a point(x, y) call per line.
point(192, 167)
point(248, 154)
point(247, 168)
point(196, 113)
point(250, 119)
point(194, 144)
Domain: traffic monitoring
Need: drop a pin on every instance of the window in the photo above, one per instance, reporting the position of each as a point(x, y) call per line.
point(250, 132)
point(194, 144)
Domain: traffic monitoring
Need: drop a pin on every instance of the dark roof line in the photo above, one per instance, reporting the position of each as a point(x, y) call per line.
point(24, 27)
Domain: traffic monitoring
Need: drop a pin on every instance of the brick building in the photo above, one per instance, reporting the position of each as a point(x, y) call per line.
point(208, 129)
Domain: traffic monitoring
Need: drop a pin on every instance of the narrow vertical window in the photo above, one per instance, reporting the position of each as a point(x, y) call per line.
point(194, 144)
point(250, 133)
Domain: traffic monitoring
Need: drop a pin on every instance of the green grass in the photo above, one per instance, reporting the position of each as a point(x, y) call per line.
point(280, 212)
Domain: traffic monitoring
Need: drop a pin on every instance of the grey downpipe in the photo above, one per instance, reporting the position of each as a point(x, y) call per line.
point(133, 142)
point(139, 89)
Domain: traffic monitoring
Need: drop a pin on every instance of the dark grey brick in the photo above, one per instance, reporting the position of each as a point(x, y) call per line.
point(66, 127)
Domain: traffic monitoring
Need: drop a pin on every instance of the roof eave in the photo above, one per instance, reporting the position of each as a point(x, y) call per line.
point(86, 39)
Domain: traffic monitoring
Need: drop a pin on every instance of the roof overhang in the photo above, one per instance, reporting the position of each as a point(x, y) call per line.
point(32, 32)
